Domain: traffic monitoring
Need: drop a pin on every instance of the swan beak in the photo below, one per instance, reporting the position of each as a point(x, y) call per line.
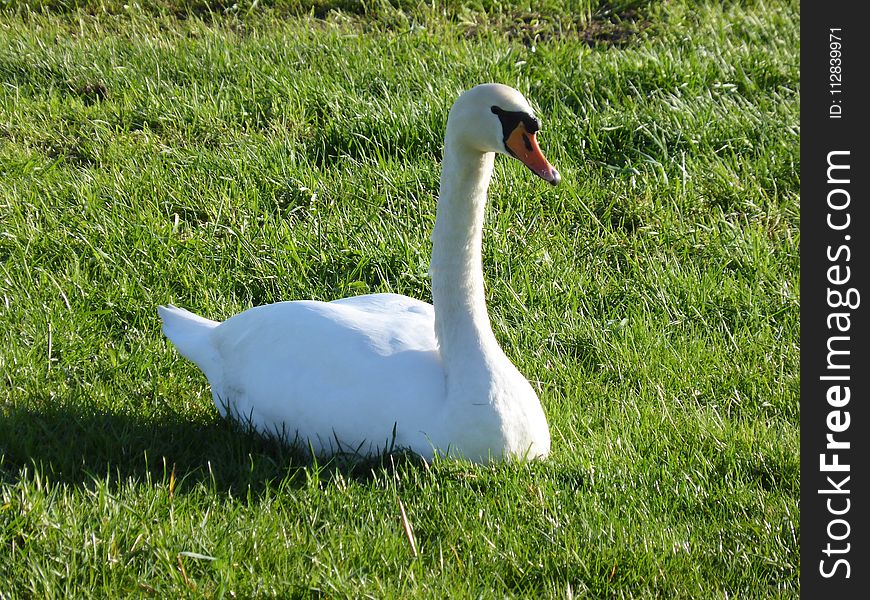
point(523, 146)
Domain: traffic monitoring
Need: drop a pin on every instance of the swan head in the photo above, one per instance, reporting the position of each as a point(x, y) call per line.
point(496, 118)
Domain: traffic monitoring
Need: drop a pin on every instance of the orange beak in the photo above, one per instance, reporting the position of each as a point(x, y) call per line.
point(524, 146)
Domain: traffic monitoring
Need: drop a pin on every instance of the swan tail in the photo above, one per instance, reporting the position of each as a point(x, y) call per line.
point(191, 334)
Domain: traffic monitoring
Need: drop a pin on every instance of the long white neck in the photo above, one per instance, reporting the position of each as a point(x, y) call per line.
point(490, 409)
point(461, 320)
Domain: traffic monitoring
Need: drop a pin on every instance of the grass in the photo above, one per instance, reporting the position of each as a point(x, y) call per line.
point(223, 155)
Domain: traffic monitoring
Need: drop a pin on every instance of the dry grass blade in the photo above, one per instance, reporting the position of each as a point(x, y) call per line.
point(172, 482)
point(184, 576)
point(406, 525)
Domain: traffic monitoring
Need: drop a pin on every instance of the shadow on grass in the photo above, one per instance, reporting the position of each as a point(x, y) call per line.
point(77, 447)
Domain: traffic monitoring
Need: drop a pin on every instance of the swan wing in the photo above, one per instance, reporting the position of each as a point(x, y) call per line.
point(342, 372)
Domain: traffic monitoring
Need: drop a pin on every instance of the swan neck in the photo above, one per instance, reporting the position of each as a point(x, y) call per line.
point(462, 324)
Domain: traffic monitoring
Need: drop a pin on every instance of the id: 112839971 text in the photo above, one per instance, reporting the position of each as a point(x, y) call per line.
point(835, 72)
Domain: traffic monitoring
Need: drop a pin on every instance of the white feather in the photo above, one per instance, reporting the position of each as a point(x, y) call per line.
point(349, 374)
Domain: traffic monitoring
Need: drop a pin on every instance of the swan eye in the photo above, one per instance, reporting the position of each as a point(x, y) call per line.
point(518, 134)
point(510, 119)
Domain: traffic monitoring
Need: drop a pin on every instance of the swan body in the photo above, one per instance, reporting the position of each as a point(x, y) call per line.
point(378, 371)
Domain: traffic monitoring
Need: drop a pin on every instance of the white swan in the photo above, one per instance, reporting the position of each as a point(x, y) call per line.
point(362, 373)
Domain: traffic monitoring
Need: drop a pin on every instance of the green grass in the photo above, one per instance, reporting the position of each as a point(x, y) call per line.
point(223, 155)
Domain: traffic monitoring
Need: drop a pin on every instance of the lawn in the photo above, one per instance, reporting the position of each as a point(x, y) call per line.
point(224, 155)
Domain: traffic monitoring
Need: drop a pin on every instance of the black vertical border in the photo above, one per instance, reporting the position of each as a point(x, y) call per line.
point(820, 135)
